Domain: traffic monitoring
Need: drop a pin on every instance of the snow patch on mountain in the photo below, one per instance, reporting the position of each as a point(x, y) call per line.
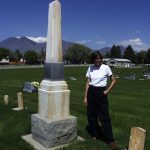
point(37, 39)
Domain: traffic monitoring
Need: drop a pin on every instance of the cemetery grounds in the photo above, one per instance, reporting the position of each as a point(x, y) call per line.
point(129, 104)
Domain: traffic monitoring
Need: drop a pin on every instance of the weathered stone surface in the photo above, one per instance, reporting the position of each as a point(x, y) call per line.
point(20, 100)
point(54, 100)
point(52, 133)
point(38, 146)
point(53, 85)
point(6, 99)
point(137, 138)
point(54, 39)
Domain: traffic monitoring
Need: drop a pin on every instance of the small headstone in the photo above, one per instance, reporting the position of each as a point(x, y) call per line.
point(20, 100)
point(72, 78)
point(28, 87)
point(6, 100)
point(137, 138)
point(130, 77)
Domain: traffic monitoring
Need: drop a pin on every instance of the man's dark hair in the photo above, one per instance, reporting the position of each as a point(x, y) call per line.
point(94, 55)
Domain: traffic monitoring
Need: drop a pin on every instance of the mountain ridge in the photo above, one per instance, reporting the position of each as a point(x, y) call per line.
point(24, 44)
point(37, 44)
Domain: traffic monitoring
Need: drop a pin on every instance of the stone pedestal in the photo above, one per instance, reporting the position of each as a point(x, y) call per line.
point(53, 133)
point(54, 99)
point(53, 125)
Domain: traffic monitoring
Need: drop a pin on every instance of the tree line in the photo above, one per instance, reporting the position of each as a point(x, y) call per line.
point(78, 54)
point(81, 54)
point(29, 57)
point(141, 57)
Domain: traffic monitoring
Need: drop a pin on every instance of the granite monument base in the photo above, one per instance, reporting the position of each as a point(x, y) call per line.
point(28, 138)
point(52, 133)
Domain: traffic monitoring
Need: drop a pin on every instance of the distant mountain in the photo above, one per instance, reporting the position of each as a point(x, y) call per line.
point(39, 43)
point(29, 43)
point(104, 50)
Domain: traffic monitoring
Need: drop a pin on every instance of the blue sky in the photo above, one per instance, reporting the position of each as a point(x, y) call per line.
point(94, 23)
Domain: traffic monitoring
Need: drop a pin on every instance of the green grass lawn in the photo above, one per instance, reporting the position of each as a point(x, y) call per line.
point(129, 104)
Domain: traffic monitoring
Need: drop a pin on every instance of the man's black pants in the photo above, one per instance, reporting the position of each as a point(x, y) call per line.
point(98, 115)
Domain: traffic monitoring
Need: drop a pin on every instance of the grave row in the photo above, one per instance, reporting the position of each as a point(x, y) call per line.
point(19, 100)
point(137, 134)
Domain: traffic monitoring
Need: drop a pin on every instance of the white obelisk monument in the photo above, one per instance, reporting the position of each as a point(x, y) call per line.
point(53, 125)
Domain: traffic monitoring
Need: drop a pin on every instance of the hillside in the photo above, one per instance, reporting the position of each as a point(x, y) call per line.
point(24, 44)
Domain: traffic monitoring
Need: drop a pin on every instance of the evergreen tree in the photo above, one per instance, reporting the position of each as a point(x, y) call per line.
point(115, 52)
point(42, 55)
point(17, 55)
point(141, 57)
point(129, 53)
point(107, 55)
point(118, 52)
point(148, 56)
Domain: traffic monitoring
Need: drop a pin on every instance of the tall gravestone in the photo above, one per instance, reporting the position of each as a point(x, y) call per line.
point(53, 125)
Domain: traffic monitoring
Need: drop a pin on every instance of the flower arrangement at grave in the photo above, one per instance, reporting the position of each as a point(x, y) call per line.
point(36, 85)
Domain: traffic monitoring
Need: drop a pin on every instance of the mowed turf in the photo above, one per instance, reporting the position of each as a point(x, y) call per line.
point(129, 104)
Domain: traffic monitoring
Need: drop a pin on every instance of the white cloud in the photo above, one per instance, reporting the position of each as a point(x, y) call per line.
point(38, 39)
point(84, 41)
point(101, 42)
point(136, 43)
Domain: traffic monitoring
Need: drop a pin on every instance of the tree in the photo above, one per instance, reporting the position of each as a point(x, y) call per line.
point(42, 55)
point(129, 53)
point(115, 52)
point(107, 55)
point(17, 55)
point(148, 56)
point(5, 53)
point(31, 57)
point(141, 57)
point(78, 53)
point(118, 52)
